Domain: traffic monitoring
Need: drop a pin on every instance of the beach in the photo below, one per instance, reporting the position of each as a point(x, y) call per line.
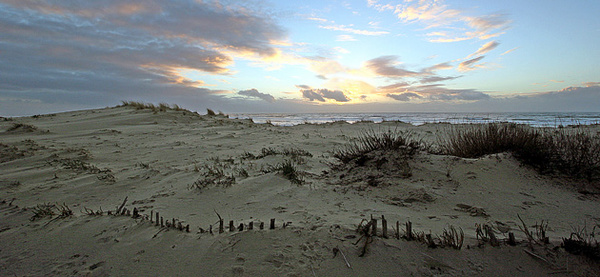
point(196, 170)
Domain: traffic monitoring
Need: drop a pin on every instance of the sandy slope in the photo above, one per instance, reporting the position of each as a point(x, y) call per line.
point(96, 158)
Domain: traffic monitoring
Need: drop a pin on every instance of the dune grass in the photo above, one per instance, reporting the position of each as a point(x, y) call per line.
point(371, 140)
point(288, 169)
point(161, 107)
point(570, 151)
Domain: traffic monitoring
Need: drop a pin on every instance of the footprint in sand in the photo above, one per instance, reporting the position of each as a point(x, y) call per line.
point(238, 268)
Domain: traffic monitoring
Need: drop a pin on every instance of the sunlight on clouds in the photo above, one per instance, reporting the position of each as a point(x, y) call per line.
point(509, 51)
point(471, 64)
point(485, 48)
point(457, 25)
point(349, 29)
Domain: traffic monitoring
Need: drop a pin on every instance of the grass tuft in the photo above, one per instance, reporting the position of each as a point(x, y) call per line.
point(21, 126)
point(370, 141)
point(288, 169)
point(582, 242)
point(573, 152)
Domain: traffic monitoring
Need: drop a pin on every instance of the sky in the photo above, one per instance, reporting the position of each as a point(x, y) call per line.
point(301, 56)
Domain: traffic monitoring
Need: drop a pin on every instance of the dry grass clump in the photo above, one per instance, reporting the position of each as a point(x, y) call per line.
point(288, 169)
point(49, 210)
point(161, 107)
point(452, 237)
point(571, 151)
point(21, 127)
point(375, 158)
point(582, 242)
point(211, 112)
point(370, 140)
point(213, 176)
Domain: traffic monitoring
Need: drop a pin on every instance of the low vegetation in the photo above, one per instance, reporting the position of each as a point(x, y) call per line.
point(50, 210)
point(162, 107)
point(375, 158)
point(288, 169)
point(21, 127)
point(570, 151)
point(370, 141)
point(583, 242)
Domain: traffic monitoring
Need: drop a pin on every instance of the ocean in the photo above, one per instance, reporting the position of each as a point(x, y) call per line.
point(548, 119)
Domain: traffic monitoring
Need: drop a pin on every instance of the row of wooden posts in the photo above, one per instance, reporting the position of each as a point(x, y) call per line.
point(176, 224)
point(370, 229)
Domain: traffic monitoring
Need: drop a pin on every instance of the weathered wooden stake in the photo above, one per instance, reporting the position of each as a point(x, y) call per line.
point(179, 226)
point(397, 229)
point(251, 225)
point(261, 225)
point(272, 226)
point(231, 227)
point(409, 232)
point(221, 229)
point(174, 226)
point(374, 227)
point(157, 218)
point(511, 239)
point(384, 227)
point(493, 240)
point(187, 228)
point(161, 221)
point(151, 215)
point(241, 227)
point(136, 213)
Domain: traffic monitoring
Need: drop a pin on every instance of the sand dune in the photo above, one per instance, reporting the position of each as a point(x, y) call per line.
point(196, 168)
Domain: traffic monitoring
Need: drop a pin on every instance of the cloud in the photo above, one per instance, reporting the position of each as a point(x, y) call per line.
point(349, 29)
point(395, 87)
point(435, 79)
point(345, 38)
point(407, 96)
point(317, 19)
point(323, 66)
point(485, 48)
point(471, 64)
point(81, 50)
point(322, 94)
point(254, 93)
point(435, 14)
point(436, 92)
point(341, 50)
point(440, 66)
point(386, 66)
point(509, 51)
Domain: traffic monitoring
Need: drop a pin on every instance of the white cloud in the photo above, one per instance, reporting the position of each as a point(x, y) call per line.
point(345, 38)
point(485, 48)
point(350, 29)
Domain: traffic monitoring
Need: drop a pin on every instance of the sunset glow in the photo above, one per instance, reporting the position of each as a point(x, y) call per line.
point(377, 55)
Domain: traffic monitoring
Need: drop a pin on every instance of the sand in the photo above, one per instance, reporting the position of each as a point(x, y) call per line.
point(161, 162)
